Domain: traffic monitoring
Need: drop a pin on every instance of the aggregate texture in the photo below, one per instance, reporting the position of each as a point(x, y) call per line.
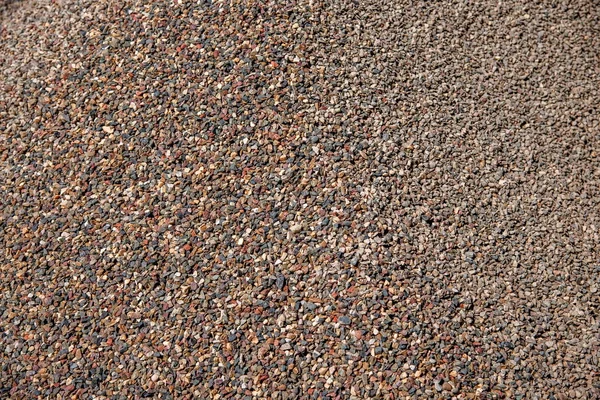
point(299, 199)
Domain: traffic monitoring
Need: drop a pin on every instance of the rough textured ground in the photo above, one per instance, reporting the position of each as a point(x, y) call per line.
point(317, 200)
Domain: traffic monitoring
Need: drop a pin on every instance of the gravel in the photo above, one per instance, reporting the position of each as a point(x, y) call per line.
point(303, 199)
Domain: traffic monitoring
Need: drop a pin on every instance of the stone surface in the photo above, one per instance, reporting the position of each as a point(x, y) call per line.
point(304, 199)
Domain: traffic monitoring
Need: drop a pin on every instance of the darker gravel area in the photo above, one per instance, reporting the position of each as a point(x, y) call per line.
point(299, 200)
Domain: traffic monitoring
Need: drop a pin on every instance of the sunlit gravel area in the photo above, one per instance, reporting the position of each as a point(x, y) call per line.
point(327, 200)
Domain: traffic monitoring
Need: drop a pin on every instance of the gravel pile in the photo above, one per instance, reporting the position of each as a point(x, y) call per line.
point(299, 199)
